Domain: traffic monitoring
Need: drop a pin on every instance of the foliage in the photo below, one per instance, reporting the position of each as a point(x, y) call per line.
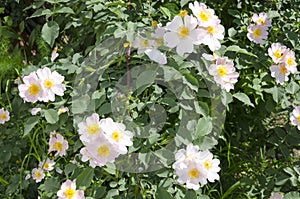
point(256, 144)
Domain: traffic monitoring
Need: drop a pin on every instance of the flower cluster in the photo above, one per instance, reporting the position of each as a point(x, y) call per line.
point(38, 173)
point(104, 140)
point(284, 62)
point(193, 167)
point(4, 116)
point(182, 33)
point(68, 191)
point(42, 85)
point(223, 71)
point(258, 31)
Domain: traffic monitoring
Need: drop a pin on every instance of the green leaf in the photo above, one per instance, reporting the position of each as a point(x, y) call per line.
point(273, 13)
point(41, 12)
point(50, 32)
point(204, 127)
point(80, 105)
point(51, 116)
point(292, 195)
point(292, 88)
point(64, 10)
point(183, 2)
point(57, 1)
point(231, 32)
point(30, 123)
point(85, 177)
point(51, 185)
point(165, 11)
point(145, 78)
point(162, 193)
point(190, 194)
point(235, 48)
point(243, 98)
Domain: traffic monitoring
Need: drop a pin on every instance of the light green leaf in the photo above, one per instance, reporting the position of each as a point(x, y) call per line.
point(41, 12)
point(80, 105)
point(243, 98)
point(183, 2)
point(30, 123)
point(204, 127)
point(50, 32)
point(292, 195)
point(51, 116)
point(165, 11)
point(235, 48)
point(273, 13)
point(64, 10)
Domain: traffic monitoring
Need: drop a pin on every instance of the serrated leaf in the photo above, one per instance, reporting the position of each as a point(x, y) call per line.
point(235, 48)
point(51, 116)
point(29, 124)
point(50, 32)
point(243, 98)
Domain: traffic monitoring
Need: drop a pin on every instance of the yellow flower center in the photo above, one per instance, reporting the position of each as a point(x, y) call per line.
point(183, 32)
point(183, 13)
point(204, 15)
point(211, 29)
point(222, 71)
point(291, 61)
point(93, 129)
point(48, 83)
point(38, 174)
point(46, 165)
point(145, 43)
point(116, 136)
point(58, 146)
point(103, 151)
point(61, 111)
point(70, 193)
point(154, 23)
point(194, 173)
point(208, 164)
point(278, 54)
point(34, 89)
point(257, 33)
point(3, 116)
point(283, 70)
point(262, 21)
point(298, 118)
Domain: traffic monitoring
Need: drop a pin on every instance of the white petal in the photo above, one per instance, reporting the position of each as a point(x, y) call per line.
point(156, 56)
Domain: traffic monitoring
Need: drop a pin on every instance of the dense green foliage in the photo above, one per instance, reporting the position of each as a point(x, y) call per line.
point(258, 148)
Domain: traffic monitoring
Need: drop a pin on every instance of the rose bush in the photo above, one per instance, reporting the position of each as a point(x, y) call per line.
point(155, 99)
